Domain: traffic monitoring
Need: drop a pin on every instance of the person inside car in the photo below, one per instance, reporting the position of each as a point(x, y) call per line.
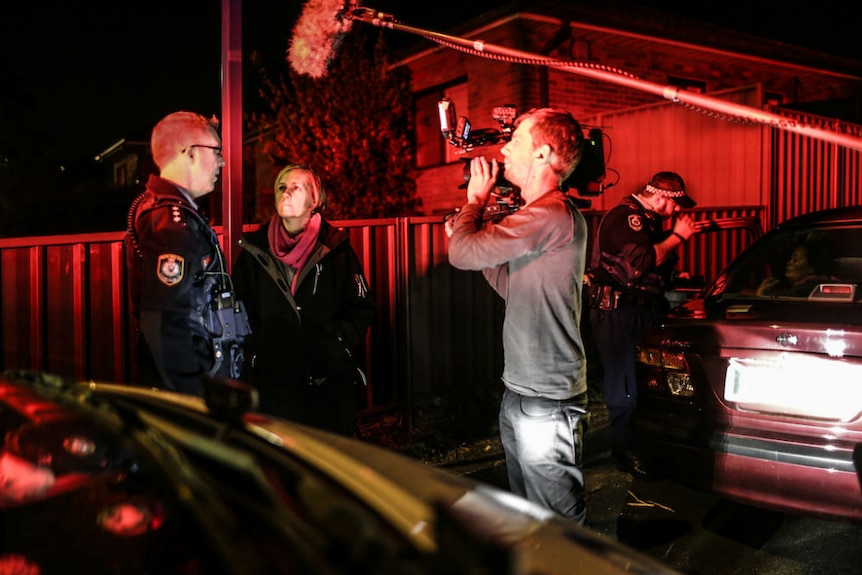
point(804, 270)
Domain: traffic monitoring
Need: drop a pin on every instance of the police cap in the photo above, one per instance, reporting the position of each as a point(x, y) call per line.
point(670, 185)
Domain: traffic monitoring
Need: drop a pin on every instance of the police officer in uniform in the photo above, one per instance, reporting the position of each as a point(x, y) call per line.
point(632, 259)
point(180, 289)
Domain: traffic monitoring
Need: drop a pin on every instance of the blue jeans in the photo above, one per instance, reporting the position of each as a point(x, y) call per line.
point(543, 442)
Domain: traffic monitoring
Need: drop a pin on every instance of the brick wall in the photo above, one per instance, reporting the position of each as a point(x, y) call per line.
point(492, 83)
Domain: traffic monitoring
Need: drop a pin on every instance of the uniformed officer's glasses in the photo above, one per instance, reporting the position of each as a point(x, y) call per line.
point(216, 149)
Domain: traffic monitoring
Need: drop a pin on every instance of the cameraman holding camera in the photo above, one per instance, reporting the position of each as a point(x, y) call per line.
point(534, 259)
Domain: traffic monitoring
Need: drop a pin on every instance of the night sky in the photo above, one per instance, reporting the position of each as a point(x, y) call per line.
point(86, 75)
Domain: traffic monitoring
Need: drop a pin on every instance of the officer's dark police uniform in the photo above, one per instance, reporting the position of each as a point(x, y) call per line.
point(626, 289)
point(623, 271)
point(177, 277)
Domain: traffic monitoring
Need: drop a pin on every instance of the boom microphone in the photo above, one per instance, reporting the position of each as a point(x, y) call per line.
point(317, 35)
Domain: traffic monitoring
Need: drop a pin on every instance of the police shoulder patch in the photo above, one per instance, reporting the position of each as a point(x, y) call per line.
point(171, 268)
point(635, 222)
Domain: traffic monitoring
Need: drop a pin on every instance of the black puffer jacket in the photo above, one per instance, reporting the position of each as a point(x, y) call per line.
point(314, 335)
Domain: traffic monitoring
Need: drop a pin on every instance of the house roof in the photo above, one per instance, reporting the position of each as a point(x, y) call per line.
point(643, 26)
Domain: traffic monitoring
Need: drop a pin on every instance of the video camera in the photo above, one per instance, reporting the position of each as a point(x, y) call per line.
point(458, 131)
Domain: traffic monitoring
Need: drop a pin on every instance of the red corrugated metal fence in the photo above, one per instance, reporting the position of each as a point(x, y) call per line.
point(65, 311)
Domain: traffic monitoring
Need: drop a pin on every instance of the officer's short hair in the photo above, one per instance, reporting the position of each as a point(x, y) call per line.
point(562, 132)
point(176, 132)
point(319, 188)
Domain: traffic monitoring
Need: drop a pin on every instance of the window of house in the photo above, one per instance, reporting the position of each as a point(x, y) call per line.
point(431, 148)
point(121, 176)
point(690, 84)
point(773, 98)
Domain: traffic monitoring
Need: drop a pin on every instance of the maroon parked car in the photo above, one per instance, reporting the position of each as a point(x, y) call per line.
point(753, 389)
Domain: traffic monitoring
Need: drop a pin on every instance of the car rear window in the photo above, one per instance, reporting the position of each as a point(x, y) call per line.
point(814, 264)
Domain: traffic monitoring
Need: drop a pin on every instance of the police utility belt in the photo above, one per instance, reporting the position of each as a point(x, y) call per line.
point(606, 298)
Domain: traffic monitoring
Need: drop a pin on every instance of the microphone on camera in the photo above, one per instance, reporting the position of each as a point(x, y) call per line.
point(317, 35)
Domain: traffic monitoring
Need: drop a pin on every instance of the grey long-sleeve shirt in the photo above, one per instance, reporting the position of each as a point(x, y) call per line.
point(534, 259)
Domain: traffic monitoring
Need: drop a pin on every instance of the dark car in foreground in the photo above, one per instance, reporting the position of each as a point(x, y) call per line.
point(753, 389)
point(99, 478)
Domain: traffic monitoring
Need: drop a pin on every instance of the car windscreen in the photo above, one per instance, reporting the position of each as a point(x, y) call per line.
point(814, 264)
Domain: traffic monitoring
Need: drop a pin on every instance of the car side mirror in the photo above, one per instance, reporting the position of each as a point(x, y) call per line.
point(229, 399)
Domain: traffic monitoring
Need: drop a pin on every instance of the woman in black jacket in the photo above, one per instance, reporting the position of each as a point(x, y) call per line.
point(309, 307)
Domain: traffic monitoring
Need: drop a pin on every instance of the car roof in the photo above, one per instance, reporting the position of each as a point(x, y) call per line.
point(848, 214)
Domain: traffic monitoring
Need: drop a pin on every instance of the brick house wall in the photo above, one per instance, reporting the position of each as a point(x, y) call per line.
point(651, 46)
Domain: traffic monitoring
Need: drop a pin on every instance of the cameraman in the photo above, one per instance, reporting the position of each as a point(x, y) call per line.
point(534, 259)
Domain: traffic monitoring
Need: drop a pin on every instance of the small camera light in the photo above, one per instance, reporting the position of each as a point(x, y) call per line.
point(446, 109)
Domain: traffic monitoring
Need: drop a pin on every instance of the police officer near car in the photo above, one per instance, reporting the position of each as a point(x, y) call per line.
point(632, 260)
point(190, 325)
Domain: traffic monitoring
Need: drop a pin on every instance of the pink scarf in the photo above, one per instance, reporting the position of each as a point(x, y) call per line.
point(293, 251)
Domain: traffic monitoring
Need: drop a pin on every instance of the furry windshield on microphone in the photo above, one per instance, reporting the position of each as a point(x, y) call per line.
point(317, 35)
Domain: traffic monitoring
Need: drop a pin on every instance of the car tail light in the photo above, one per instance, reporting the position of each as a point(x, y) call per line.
point(650, 356)
point(668, 371)
point(674, 360)
point(679, 384)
